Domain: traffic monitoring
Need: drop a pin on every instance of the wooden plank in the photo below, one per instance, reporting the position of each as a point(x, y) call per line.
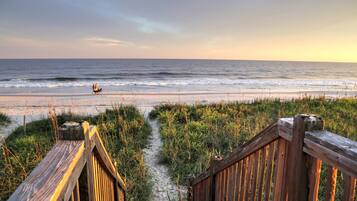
point(280, 176)
point(314, 170)
point(217, 187)
point(89, 144)
point(77, 195)
point(105, 158)
point(238, 180)
point(231, 183)
point(225, 180)
point(235, 177)
point(331, 183)
point(51, 175)
point(268, 173)
point(341, 145)
point(254, 176)
point(200, 191)
point(329, 154)
point(349, 186)
point(248, 178)
point(262, 165)
point(207, 188)
point(243, 179)
point(212, 191)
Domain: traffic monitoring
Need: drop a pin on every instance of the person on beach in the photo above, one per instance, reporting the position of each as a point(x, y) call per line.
point(96, 88)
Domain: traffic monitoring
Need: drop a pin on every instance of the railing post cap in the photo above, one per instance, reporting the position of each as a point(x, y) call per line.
point(311, 121)
point(71, 130)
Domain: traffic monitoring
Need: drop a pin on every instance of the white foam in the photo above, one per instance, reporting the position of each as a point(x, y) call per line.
point(302, 84)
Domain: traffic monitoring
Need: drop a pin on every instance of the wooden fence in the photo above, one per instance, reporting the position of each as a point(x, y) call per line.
point(283, 162)
point(77, 168)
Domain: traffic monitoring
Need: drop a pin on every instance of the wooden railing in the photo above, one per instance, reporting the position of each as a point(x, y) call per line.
point(77, 168)
point(282, 163)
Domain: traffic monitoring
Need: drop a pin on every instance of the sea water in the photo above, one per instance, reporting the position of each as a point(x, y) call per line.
point(173, 75)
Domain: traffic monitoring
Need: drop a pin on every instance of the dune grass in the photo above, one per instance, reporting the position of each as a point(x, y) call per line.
point(123, 131)
point(4, 119)
point(193, 134)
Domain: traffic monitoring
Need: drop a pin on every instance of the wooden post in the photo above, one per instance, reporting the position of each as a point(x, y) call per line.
point(90, 174)
point(297, 180)
point(71, 131)
point(212, 191)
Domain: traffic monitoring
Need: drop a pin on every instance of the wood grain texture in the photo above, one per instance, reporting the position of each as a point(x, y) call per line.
point(268, 174)
point(51, 172)
point(243, 179)
point(297, 189)
point(314, 170)
point(349, 188)
point(254, 176)
point(248, 177)
point(262, 165)
point(343, 157)
point(331, 183)
point(238, 181)
point(280, 169)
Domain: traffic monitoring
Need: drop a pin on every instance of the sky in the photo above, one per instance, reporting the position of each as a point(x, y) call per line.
point(307, 30)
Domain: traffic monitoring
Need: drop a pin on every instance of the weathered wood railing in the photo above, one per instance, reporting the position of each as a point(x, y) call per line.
point(77, 168)
point(281, 163)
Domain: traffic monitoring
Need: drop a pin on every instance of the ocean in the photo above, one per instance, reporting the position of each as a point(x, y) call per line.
point(19, 76)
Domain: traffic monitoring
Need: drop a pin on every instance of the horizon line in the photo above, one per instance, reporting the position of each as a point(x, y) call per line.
point(153, 58)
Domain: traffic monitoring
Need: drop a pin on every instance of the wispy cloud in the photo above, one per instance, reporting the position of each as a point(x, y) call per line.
point(149, 26)
point(108, 41)
point(114, 42)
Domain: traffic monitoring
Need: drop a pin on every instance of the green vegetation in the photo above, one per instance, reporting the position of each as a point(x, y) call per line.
point(123, 131)
point(193, 134)
point(4, 120)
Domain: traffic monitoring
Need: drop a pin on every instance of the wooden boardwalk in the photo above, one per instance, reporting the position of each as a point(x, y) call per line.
point(77, 168)
point(282, 163)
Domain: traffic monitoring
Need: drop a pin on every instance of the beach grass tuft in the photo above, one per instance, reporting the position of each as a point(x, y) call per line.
point(192, 134)
point(4, 119)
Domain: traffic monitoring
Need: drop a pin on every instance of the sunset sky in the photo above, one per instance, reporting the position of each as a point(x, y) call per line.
point(310, 30)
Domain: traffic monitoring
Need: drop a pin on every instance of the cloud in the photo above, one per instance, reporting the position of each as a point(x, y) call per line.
point(148, 26)
point(108, 41)
point(111, 42)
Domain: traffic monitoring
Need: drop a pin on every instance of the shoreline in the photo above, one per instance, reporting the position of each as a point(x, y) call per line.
point(175, 93)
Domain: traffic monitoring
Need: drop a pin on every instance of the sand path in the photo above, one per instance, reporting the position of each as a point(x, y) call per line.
point(163, 187)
